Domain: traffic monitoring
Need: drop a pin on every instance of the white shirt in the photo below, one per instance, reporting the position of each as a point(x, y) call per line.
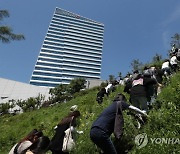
point(165, 65)
point(24, 145)
point(173, 49)
point(121, 82)
point(173, 60)
point(108, 88)
point(125, 79)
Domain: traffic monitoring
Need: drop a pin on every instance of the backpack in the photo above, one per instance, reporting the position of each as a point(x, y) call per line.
point(16, 149)
point(137, 82)
point(119, 121)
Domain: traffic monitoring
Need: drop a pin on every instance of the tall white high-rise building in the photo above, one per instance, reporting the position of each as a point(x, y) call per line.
point(72, 48)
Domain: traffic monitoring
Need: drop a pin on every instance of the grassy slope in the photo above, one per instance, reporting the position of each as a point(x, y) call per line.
point(14, 128)
point(164, 121)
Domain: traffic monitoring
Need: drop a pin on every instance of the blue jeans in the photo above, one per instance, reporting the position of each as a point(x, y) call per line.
point(102, 140)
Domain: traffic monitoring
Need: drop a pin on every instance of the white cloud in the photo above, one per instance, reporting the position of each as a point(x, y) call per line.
point(175, 15)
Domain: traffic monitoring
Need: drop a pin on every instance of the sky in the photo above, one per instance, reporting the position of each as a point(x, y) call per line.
point(134, 29)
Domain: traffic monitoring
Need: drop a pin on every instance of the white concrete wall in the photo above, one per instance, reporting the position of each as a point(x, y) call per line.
point(10, 89)
point(93, 83)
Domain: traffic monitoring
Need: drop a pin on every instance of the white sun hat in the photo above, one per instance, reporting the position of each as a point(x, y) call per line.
point(74, 108)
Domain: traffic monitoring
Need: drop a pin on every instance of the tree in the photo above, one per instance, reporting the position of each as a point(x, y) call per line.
point(63, 93)
point(6, 33)
point(76, 85)
point(157, 58)
point(119, 74)
point(4, 108)
point(136, 65)
point(111, 78)
point(176, 40)
point(59, 93)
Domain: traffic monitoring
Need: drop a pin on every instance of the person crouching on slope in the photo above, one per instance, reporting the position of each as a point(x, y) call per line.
point(57, 140)
point(105, 124)
point(22, 146)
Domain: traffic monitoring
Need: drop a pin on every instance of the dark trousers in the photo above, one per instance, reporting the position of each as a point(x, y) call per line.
point(167, 70)
point(99, 100)
point(139, 102)
point(174, 67)
point(102, 140)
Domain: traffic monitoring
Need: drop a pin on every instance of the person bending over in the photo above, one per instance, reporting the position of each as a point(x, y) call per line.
point(104, 125)
point(22, 146)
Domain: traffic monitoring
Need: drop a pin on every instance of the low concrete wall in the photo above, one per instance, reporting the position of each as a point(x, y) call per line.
point(10, 89)
point(93, 83)
point(15, 90)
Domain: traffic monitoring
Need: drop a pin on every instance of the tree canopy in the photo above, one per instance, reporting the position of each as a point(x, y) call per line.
point(6, 32)
point(136, 65)
point(63, 93)
point(176, 40)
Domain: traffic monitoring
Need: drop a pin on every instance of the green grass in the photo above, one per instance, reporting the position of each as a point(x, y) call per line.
point(163, 121)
